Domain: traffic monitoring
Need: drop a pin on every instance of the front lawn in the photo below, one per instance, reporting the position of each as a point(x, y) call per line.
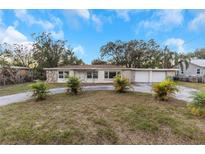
point(101, 117)
point(18, 88)
point(199, 86)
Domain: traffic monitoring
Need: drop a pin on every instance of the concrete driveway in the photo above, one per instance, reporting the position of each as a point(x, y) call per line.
point(183, 94)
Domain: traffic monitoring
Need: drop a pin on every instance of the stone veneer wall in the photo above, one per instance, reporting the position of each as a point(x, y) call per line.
point(51, 76)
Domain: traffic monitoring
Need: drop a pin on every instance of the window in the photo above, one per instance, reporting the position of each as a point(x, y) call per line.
point(110, 75)
point(60, 75)
point(95, 75)
point(198, 71)
point(89, 75)
point(63, 74)
point(92, 75)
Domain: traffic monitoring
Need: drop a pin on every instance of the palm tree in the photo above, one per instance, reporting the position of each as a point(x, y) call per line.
point(182, 61)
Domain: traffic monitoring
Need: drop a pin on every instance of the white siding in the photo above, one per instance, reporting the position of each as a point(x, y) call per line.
point(141, 76)
point(127, 74)
point(158, 76)
point(192, 71)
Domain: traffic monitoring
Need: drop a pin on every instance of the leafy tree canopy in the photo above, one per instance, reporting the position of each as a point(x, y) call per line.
point(98, 62)
point(141, 54)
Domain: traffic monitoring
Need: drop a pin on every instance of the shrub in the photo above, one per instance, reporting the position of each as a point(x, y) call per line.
point(164, 89)
point(195, 110)
point(121, 83)
point(196, 107)
point(39, 90)
point(73, 85)
point(199, 99)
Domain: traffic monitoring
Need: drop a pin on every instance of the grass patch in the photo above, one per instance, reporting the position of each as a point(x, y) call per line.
point(92, 118)
point(100, 121)
point(28, 135)
point(18, 88)
point(106, 135)
point(198, 86)
point(154, 120)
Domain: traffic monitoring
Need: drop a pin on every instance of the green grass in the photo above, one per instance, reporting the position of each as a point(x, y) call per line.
point(198, 86)
point(101, 117)
point(100, 121)
point(106, 135)
point(155, 120)
point(18, 88)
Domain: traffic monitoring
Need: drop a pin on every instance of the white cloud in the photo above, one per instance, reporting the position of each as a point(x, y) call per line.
point(58, 34)
point(175, 43)
point(79, 51)
point(197, 22)
point(97, 22)
point(11, 35)
point(54, 26)
point(124, 14)
point(24, 16)
point(82, 13)
point(174, 17)
point(162, 20)
point(85, 14)
point(16, 23)
point(1, 14)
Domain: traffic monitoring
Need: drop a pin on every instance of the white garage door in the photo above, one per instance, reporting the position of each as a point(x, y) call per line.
point(141, 76)
point(158, 76)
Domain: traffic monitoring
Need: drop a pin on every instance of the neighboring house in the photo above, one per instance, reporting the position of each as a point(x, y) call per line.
point(14, 74)
point(106, 73)
point(196, 68)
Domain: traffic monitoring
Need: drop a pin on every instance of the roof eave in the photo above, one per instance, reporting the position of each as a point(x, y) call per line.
point(133, 69)
point(197, 65)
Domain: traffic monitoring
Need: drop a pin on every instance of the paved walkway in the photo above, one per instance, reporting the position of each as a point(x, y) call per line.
point(183, 94)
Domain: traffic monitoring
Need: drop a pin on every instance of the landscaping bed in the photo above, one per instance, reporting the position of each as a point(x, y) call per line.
point(101, 117)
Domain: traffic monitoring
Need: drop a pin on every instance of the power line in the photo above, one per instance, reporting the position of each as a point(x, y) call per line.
point(196, 38)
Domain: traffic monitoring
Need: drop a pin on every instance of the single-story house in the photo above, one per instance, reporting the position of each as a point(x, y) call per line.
point(196, 67)
point(106, 73)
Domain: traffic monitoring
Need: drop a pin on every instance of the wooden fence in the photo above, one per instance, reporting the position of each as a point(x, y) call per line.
point(196, 79)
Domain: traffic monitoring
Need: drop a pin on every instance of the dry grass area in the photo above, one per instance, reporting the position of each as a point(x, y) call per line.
point(101, 117)
point(19, 88)
point(199, 86)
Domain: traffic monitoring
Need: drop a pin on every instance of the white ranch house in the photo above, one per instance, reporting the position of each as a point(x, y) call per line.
point(106, 73)
point(196, 68)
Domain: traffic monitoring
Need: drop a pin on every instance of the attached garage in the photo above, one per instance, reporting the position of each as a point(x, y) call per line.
point(141, 76)
point(152, 75)
point(158, 76)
